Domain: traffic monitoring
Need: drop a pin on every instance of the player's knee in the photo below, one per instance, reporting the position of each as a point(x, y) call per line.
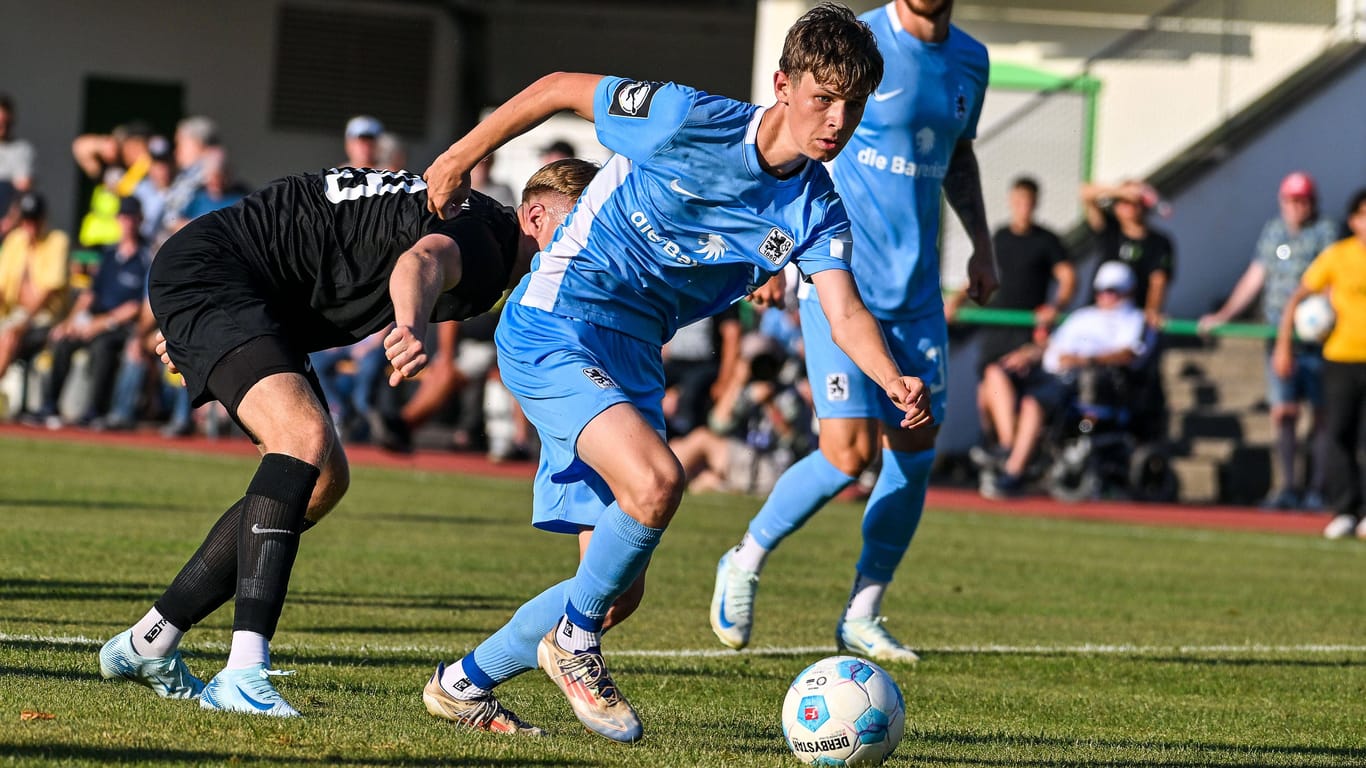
point(312, 440)
point(655, 494)
point(850, 459)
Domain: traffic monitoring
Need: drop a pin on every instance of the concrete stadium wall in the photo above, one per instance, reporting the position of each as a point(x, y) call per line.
point(221, 52)
point(223, 55)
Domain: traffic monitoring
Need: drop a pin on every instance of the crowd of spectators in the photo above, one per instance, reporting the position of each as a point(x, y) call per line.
point(738, 407)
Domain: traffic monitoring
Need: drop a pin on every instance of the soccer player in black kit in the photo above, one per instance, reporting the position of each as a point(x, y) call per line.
point(242, 296)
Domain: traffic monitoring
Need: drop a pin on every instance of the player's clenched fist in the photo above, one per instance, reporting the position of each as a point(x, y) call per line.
point(912, 396)
point(405, 352)
point(448, 184)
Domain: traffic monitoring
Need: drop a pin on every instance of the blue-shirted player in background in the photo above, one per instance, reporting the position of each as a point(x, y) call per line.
point(706, 199)
point(915, 140)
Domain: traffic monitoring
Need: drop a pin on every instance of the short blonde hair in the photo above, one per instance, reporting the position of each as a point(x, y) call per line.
point(837, 48)
point(565, 177)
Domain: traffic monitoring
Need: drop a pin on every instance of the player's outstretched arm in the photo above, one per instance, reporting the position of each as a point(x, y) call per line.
point(963, 191)
point(448, 176)
point(854, 329)
point(431, 266)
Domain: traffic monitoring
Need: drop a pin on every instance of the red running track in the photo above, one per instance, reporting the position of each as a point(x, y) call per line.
point(958, 499)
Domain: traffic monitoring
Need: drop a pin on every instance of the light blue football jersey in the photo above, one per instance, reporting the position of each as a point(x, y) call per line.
point(891, 173)
point(682, 221)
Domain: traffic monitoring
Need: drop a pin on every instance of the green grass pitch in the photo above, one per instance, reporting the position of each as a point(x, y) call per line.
point(1046, 642)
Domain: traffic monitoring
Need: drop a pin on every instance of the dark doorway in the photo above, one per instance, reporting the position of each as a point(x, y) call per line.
point(110, 102)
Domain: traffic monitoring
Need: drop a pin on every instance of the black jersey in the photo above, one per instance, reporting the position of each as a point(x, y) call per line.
point(324, 246)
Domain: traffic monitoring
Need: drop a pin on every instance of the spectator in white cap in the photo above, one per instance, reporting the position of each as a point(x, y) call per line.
point(362, 141)
point(1110, 332)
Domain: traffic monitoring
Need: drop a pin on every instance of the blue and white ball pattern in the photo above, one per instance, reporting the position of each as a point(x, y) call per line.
point(843, 711)
point(1314, 318)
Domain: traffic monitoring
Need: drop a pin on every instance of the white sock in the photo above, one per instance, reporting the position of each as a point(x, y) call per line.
point(865, 601)
point(248, 649)
point(456, 683)
point(749, 555)
point(571, 637)
point(155, 636)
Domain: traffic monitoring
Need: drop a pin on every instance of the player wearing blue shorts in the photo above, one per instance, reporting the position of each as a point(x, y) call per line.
point(706, 199)
point(914, 142)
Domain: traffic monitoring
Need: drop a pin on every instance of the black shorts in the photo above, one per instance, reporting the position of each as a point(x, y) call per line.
point(222, 328)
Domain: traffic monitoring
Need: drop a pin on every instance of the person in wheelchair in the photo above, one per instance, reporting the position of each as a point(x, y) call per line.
point(1079, 384)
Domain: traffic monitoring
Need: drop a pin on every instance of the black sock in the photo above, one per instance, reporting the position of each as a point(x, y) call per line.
point(209, 579)
point(268, 539)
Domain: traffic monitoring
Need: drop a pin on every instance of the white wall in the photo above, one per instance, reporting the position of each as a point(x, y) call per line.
point(221, 52)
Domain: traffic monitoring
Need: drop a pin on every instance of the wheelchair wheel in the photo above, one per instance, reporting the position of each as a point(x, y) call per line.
point(1075, 475)
point(1150, 475)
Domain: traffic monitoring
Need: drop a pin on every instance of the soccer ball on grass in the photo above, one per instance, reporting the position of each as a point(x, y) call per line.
point(843, 710)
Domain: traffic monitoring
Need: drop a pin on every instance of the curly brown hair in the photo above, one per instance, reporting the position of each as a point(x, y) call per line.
point(837, 48)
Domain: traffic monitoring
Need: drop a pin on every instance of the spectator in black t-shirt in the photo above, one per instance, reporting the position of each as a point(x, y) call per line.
point(1118, 215)
point(1028, 258)
point(101, 318)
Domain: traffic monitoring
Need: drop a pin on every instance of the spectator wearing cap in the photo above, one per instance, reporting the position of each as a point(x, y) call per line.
point(16, 167)
point(33, 281)
point(101, 318)
point(194, 137)
point(1110, 332)
point(557, 150)
point(362, 141)
point(1339, 271)
point(1289, 243)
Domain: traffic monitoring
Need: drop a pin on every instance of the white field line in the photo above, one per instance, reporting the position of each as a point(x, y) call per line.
point(1087, 649)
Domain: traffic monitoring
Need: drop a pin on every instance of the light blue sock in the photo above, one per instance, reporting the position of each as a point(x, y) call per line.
point(511, 650)
point(802, 490)
point(617, 554)
point(893, 512)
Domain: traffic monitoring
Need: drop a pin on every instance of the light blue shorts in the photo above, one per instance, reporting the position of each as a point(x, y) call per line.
point(564, 372)
point(842, 391)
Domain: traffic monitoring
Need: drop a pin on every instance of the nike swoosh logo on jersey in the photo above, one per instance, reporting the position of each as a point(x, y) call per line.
point(880, 96)
point(677, 187)
point(256, 528)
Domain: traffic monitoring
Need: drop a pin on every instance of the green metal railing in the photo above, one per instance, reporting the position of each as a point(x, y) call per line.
point(1173, 326)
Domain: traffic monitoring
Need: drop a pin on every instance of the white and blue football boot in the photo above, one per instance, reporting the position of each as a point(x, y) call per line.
point(247, 690)
point(166, 675)
point(868, 638)
point(732, 603)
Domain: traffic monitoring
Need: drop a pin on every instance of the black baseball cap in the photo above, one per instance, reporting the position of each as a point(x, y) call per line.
point(130, 206)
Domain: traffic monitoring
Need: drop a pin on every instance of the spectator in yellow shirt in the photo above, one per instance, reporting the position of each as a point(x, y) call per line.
point(1341, 271)
point(33, 281)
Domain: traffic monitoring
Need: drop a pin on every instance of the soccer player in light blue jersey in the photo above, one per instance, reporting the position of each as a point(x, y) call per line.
point(706, 199)
point(915, 142)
